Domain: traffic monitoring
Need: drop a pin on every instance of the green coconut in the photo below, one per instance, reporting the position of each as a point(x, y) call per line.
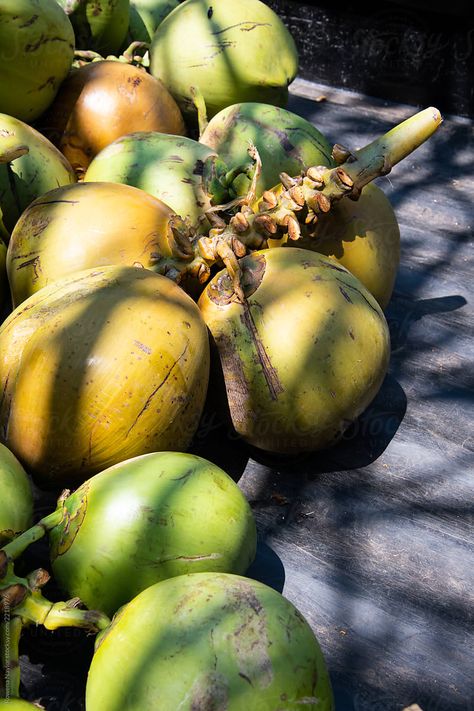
point(37, 50)
point(145, 16)
point(16, 500)
point(285, 142)
point(172, 168)
point(230, 51)
point(99, 25)
point(29, 167)
point(147, 519)
point(208, 641)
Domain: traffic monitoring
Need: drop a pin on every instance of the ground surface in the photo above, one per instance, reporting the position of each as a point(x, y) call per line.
point(371, 540)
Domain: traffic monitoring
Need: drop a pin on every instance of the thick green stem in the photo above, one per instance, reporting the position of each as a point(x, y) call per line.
point(299, 200)
point(10, 147)
point(10, 632)
point(379, 157)
point(38, 610)
point(18, 545)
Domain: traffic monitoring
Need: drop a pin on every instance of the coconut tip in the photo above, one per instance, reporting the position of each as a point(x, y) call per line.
point(436, 113)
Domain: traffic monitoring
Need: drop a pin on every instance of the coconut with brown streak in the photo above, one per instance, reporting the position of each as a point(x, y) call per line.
point(98, 367)
point(303, 348)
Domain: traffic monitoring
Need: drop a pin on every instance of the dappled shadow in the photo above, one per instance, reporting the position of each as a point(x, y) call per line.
point(372, 535)
point(166, 166)
point(374, 532)
point(87, 416)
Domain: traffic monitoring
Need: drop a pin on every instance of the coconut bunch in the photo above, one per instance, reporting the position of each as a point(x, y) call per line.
point(170, 232)
point(259, 177)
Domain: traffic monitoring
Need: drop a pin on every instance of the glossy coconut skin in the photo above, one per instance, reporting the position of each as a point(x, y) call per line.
point(145, 16)
point(230, 51)
point(37, 42)
point(86, 225)
point(99, 367)
point(100, 25)
point(102, 101)
point(208, 641)
point(147, 519)
point(168, 167)
point(364, 237)
point(16, 500)
point(285, 141)
point(303, 355)
point(22, 180)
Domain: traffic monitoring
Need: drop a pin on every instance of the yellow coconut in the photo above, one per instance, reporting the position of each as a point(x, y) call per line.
point(90, 225)
point(3, 274)
point(362, 235)
point(101, 366)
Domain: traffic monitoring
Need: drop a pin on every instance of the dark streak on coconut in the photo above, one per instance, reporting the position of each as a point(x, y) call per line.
point(29, 22)
point(152, 395)
point(246, 26)
point(269, 372)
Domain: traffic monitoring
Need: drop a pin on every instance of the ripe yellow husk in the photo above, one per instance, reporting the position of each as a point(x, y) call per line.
point(85, 225)
point(99, 367)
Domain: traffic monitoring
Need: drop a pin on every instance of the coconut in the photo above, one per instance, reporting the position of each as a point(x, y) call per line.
point(230, 52)
point(37, 41)
point(172, 168)
point(208, 641)
point(98, 367)
point(29, 166)
point(85, 225)
point(99, 25)
point(285, 142)
point(303, 349)
point(101, 101)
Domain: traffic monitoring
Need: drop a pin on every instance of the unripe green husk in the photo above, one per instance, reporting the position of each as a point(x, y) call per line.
point(229, 51)
point(208, 641)
point(168, 167)
point(147, 519)
point(38, 168)
point(99, 25)
point(145, 16)
point(285, 141)
point(16, 501)
point(37, 50)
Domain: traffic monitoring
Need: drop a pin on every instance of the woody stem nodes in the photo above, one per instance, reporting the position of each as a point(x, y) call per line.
point(379, 157)
point(298, 200)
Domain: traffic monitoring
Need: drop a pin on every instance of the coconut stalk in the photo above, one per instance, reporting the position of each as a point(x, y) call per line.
point(22, 597)
point(300, 199)
point(22, 603)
